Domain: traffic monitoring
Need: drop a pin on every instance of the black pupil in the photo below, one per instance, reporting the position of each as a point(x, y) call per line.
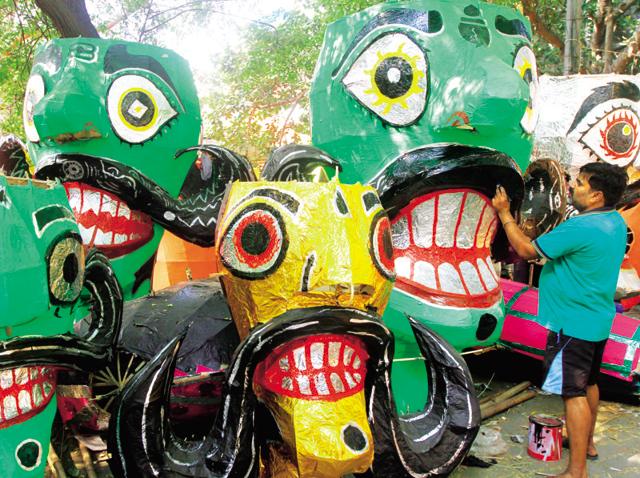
point(629, 240)
point(394, 77)
point(255, 238)
point(70, 268)
point(617, 140)
point(137, 108)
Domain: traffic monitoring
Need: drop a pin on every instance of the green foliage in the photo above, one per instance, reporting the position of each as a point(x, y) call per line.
point(22, 27)
point(265, 102)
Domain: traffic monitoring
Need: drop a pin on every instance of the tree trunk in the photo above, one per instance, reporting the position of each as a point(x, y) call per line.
point(610, 24)
point(629, 53)
point(70, 17)
point(572, 37)
point(598, 27)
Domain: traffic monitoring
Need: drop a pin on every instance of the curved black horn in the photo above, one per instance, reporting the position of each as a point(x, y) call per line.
point(93, 348)
point(231, 448)
point(136, 425)
point(434, 441)
point(192, 217)
point(295, 162)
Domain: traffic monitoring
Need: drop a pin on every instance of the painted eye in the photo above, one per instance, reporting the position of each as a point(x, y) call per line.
point(390, 79)
point(525, 64)
point(137, 108)
point(381, 247)
point(66, 270)
point(614, 137)
point(255, 242)
point(34, 93)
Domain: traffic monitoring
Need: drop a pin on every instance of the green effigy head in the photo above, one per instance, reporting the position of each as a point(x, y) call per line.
point(107, 118)
point(433, 103)
point(43, 274)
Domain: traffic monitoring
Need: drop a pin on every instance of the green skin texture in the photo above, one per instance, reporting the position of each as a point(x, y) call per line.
point(75, 100)
point(479, 80)
point(25, 306)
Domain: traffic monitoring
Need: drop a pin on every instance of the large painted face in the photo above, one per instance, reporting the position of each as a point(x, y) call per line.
point(307, 271)
point(293, 246)
point(433, 103)
point(107, 118)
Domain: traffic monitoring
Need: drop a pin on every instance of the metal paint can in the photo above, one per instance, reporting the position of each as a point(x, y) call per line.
point(545, 437)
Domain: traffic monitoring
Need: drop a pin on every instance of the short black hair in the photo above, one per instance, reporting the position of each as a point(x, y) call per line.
point(609, 179)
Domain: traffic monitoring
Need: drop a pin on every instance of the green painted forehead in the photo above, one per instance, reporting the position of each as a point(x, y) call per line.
point(109, 57)
point(402, 75)
point(133, 103)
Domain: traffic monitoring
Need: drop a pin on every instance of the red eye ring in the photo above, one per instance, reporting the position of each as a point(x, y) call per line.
point(380, 245)
point(623, 118)
point(255, 243)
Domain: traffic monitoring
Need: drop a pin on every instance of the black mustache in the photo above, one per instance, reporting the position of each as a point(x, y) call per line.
point(192, 218)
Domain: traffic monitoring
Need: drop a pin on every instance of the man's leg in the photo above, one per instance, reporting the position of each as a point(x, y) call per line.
point(593, 398)
point(578, 416)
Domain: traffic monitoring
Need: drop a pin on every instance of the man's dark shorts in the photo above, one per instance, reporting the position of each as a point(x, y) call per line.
point(570, 364)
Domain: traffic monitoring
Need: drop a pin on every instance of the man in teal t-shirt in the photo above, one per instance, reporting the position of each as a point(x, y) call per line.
point(577, 284)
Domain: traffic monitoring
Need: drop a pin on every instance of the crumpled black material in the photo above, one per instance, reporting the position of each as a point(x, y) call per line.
point(197, 310)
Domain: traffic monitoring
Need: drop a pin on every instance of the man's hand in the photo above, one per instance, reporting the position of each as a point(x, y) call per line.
point(520, 243)
point(500, 201)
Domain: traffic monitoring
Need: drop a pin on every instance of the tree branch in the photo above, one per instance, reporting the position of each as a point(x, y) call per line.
point(622, 9)
point(598, 26)
point(70, 17)
point(529, 9)
point(629, 53)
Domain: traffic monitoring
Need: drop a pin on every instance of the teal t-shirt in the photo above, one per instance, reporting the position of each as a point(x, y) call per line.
point(578, 281)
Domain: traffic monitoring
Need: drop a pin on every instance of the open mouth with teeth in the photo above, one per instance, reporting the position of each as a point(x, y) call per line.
point(442, 248)
point(24, 392)
point(326, 367)
point(106, 222)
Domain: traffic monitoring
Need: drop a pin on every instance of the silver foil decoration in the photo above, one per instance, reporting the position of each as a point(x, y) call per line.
point(422, 218)
point(448, 211)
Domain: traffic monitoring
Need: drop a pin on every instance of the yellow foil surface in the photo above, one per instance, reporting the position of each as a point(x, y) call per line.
point(315, 430)
point(327, 229)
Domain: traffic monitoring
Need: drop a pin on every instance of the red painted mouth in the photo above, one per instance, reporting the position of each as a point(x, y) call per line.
point(106, 222)
point(24, 392)
point(320, 367)
point(442, 248)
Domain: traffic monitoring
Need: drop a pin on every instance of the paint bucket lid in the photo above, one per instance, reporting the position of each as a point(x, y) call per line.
point(546, 420)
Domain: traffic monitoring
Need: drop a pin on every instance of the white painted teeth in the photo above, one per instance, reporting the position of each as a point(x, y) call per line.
point(448, 246)
point(10, 407)
point(120, 238)
point(308, 373)
point(6, 379)
point(124, 211)
point(91, 201)
point(103, 238)
point(75, 198)
point(449, 205)
point(86, 233)
point(24, 401)
point(21, 392)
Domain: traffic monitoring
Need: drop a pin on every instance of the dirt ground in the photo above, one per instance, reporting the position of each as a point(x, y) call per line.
point(505, 435)
point(617, 433)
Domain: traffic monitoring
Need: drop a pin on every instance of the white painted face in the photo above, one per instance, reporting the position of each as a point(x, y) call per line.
point(589, 118)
